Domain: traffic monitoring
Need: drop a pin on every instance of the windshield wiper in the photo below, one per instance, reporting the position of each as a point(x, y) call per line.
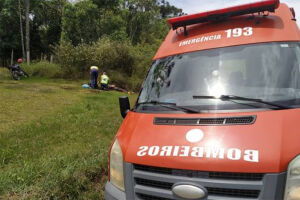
point(233, 97)
point(170, 105)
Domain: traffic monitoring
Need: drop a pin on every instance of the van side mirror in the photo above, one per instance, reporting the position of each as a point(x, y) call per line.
point(124, 105)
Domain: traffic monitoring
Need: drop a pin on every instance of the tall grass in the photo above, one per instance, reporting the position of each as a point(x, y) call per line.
point(63, 153)
point(4, 74)
point(44, 69)
point(126, 64)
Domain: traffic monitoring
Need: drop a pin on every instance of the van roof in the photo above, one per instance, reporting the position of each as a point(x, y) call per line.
point(246, 29)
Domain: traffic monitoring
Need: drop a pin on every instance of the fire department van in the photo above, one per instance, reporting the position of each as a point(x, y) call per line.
point(218, 116)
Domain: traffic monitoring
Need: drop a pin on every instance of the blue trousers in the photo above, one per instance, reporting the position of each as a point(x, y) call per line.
point(104, 86)
point(94, 77)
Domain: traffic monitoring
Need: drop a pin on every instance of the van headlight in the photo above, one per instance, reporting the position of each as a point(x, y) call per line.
point(116, 166)
point(292, 189)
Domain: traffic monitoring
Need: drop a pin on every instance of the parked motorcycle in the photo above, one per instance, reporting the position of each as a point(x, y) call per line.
point(17, 72)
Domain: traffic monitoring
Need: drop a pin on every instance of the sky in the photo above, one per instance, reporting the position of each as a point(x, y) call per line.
point(194, 6)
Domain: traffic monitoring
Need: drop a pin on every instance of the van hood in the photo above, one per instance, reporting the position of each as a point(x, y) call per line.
point(265, 146)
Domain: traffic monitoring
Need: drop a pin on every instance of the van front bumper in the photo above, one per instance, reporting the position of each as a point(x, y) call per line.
point(268, 186)
point(113, 193)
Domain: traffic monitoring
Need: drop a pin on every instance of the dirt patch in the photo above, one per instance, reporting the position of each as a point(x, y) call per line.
point(100, 176)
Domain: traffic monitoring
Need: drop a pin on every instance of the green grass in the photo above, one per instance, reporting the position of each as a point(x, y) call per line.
point(54, 138)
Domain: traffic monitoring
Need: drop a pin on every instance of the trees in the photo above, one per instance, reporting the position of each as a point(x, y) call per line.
point(21, 30)
point(9, 31)
point(107, 4)
point(135, 20)
point(51, 22)
point(43, 23)
point(27, 6)
point(81, 23)
point(168, 10)
point(48, 24)
point(140, 16)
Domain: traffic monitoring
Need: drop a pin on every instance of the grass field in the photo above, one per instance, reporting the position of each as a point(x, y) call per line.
point(54, 138)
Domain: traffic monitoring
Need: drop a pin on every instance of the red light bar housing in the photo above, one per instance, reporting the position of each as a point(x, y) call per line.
point(222, 14)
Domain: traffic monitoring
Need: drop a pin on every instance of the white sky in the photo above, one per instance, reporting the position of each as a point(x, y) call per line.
point(194, 6)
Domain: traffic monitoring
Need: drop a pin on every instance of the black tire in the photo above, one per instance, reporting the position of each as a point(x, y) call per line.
point(15, 75)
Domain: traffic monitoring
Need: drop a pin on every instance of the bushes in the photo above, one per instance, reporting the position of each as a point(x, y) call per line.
point(118, 79)
point(44, 69)
point(4, 73)
point(126, 64)
point(106, 54)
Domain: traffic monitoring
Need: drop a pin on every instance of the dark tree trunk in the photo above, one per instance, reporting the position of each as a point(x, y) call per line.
point(12, 57)
point(27, 6)
point(21, 31)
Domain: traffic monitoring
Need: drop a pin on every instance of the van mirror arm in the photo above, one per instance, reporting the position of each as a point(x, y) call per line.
point(185, 31)
point(124, 105)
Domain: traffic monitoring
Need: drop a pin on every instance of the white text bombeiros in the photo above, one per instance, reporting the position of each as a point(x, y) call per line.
point(199, 152)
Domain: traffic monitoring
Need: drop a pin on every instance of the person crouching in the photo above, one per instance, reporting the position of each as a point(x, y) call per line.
point(104, 81)
point(94, 71)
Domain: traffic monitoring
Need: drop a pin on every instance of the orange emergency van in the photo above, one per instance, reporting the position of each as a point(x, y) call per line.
point(218, 115)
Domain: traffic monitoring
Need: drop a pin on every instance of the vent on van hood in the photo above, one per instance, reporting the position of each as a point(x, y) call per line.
point(243, 120)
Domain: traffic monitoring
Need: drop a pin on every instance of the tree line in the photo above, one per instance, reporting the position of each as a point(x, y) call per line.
point(89, 29)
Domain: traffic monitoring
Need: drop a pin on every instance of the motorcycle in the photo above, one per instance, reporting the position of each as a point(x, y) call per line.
point(17, 72)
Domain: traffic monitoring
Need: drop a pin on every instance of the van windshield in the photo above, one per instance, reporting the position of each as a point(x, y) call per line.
point(269, 72)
